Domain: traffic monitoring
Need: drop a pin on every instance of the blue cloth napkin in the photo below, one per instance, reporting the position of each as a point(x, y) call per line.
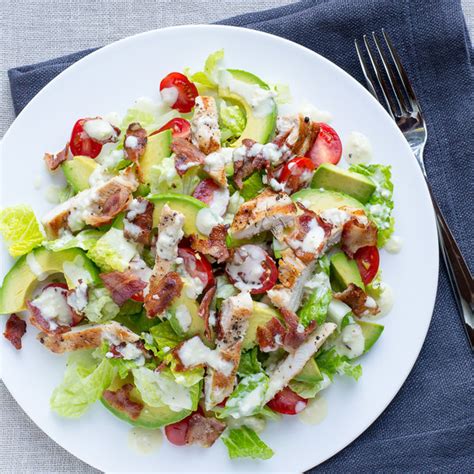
point(430, 424)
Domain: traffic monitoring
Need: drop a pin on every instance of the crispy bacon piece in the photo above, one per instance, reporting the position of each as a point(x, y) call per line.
point(295, 332)
point(203, 431)
point(54, 161)
point(215, 245)
point(205, 309)
point(357, 234)
point(122, 285)
point(144, 221)
point(187, 155)
point(161, 293)
point(121, 401)
point(39, 322)
point(135, 147)
point(358, 300)
point(14, 330)
point(244, 167)
point(270, 336)
point(297, 133)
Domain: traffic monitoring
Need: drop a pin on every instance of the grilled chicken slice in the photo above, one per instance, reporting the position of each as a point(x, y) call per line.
point(205, 131)
point(232, 327)
point(297, 133)
point(87, 337)
point(268, 211)
point(95, 206)
point(294, 362)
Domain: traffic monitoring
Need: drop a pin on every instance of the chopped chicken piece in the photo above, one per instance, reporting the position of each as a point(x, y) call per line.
point(205, 131)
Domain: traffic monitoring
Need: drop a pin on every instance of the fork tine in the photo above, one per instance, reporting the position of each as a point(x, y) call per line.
point(397, 91)
point(365, 70)
point(402, 73)
point(381, 80)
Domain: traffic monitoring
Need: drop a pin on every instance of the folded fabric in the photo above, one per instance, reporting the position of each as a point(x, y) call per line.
point(430, 424)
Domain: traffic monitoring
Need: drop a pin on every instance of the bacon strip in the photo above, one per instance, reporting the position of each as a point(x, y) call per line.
point(247, 165)
point(14, 330)
point(135, 149)
point(215, 246)
point(270, 336)
point(187, 155)
point(122, 285)
point(54, 161)
point(203, 431)
point(39, 322)
point(161, 293)
point(205, 309)
point(144, 222)
point(357, 234)
point(358, 300)
point(121, 401)
point(296, 334)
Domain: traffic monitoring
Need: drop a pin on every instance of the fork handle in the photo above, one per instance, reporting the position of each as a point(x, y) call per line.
point(459, 275)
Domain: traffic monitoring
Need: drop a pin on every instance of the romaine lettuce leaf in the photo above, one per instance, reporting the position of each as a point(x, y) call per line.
point(210, 76)
point(231, 122)
point(245, 443)
point(20, 229)
point(164, 336)
point(249, 364)
point(308, 389)
point(252, 186)
point(100, 306)
point(380, 205)
point(332, 363)
point(84, 240)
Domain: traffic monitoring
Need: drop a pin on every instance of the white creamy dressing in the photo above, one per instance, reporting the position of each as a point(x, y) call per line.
point(315, 412)
point(220, 201)
point(192, 287)
point(169, 236)
point(206, 220)
point(250, 401)
point(358, 149)
point(135, 208)
point(103, 172)
point(381, 212)
point(53, 307)
point(336, 217)
point(131, 142)
point(318, 282)
point(312, 240)
point(75, 272)
point(144, 441)
point(169, 95)
point(393, 244)
point(35, 267)
point(193, 352)
point(184, 317)
point(276, 185)
point(351, 342)
point(131, 352)
point(77, 299)
point(235, 201)
point(246, 267)
point(316, 115)
point(256, 423)
point(260, 100)
point(99, 129)
point(384, 301)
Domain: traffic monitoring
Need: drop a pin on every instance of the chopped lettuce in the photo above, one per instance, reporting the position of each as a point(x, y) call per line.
point(249, 364)
point(187, 378)
point(20, 229)
point(100, 306)
point(84, 240)
point(252, 186)
point(245, 443)
point(225, 289)
point(84, 382)
point(112, 251)
point(164, 178)
point(332, 363)
point(231, 122)
point(164, 336)
point(210, 76)
point(282, 93)
point(316, 306)
point(380, 205)
point(309, 389)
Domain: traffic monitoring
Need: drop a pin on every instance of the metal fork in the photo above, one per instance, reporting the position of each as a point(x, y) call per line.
point(404, 108)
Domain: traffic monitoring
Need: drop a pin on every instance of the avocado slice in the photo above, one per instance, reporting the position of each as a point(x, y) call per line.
point(334, 178)
point(20, 281)
point(150, 417)
point(371, 332)
point(258, 127)
point(319, 200)
point(310, 373)
point(77, 172)
point(197, 323)
point(344, 271)
point(262, 313)
point(157, 148)
point(186, 205)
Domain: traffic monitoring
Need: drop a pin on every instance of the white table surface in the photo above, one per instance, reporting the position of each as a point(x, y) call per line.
point(32, 31)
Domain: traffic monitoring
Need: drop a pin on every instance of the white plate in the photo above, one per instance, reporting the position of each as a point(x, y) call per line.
point(110, 80)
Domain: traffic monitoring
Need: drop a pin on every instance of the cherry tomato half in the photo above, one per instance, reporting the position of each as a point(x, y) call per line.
point(368, 260)
point(205, 190)
point(177, 432)
point(186, 91)
point(253, 268)
point(197, 265)
point(80, 142)
point(138, 297)
point(327, 147)
point(296, 174)
point(179, 128)
point(287, 402)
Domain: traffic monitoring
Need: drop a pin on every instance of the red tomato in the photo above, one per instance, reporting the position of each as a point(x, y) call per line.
point(179, 128)
point(296, 174)
point(205, 190)
point(197, 265)
point(187, 91)
point(287, 402)
point(177, 432)
point(81, 143)
point(138, 297)
point(76, 318)
point(327, 147)
point(368, 260)
point(246, 259)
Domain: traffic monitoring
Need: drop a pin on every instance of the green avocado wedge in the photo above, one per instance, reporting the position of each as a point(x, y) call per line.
point(186, 205)
point(318, 200)
point(260, 121)
point(77, 172)
point(20, 281)
point(262, 313)
point(344, 271)
point(371, 331)
point(158, 147)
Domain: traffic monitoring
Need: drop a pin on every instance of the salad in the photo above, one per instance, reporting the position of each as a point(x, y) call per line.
point(208, 267)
